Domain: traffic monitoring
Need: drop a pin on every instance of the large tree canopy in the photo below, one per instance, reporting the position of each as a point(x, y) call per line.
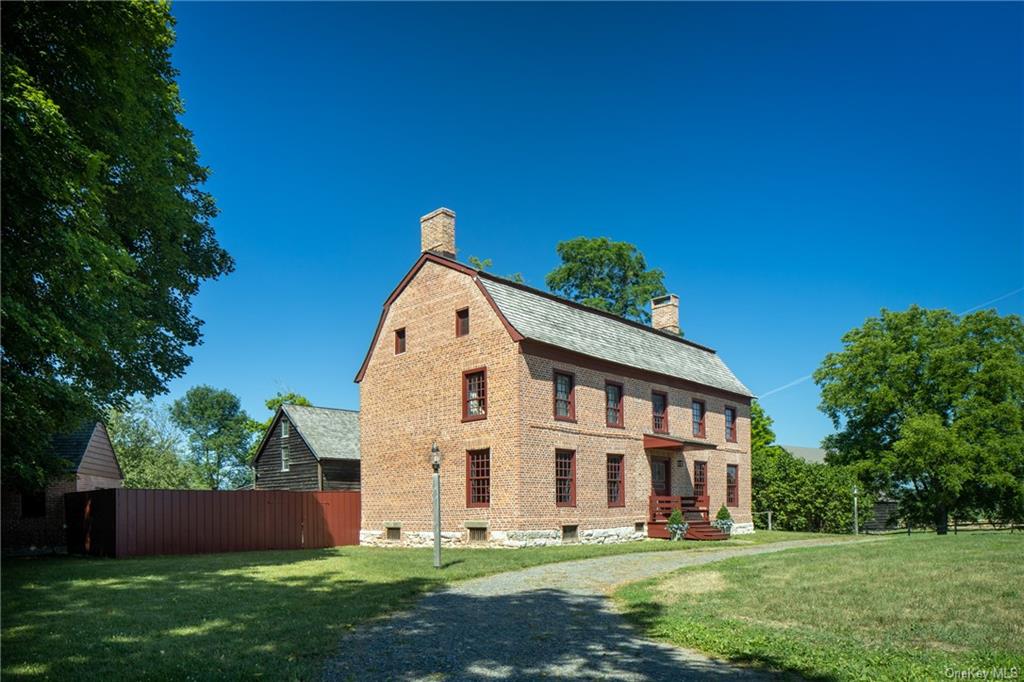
point(929, 406)
point(607, 275)
point(106, 230)
point(219, 435)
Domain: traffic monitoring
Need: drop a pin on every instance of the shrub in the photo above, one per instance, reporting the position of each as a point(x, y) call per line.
point(675, 518)
point(723, 514)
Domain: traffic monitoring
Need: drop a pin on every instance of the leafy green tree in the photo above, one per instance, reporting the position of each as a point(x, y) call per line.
point(105, 226)
point(485, 264)
point(929, 407)
point(802, 496)
point(218, 433)
point(259, 428)
point(149, 448)
point(607, 275)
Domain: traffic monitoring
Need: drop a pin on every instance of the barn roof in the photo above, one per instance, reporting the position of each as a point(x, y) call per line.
point(549, 319)
point(813, 455)
point(72, 446)
point(329, 432)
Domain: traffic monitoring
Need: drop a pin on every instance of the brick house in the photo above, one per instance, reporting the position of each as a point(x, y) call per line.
point(34, 519)
point(556, 422)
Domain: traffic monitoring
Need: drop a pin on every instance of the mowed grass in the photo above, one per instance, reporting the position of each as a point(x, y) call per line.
point(254, 614)
point(898, 608)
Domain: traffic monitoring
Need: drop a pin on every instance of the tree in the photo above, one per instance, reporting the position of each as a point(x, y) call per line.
point(149, 448)
point(607, 275)
point(929, 407)
point(484, 264)
point(802, 496)
point(218, 433)
point(105, 226)
point(258, 428)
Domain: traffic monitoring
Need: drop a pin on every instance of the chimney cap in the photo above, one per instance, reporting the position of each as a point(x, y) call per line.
point(436, 212)
point(667, 299)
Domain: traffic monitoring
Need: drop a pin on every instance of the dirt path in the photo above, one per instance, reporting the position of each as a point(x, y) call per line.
point(551, 621)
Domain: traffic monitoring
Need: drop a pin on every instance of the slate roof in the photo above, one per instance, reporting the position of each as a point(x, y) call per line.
point(330, 433)
point(72, 446)
point(814, 455)
point(545, 318)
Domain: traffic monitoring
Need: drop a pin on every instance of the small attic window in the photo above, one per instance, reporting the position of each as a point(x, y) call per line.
point(286, 453)
point(462, 322)
point(399, 341)
point(285, 429)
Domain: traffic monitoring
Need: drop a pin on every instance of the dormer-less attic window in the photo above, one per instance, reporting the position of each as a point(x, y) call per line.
point(286, 454)
point(462, 322)
point(399, 341)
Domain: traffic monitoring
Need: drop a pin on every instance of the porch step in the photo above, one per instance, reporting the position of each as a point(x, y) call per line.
point(697, 530)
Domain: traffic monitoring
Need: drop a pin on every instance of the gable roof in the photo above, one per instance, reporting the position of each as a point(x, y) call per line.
point(72, 446)
point(529, 313)
point(330, 433)
point(557, 322)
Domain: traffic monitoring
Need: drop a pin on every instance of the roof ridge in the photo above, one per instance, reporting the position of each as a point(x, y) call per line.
point(596, 311)
point(320, 407)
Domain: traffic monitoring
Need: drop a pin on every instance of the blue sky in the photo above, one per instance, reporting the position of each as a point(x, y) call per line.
point(793, 168)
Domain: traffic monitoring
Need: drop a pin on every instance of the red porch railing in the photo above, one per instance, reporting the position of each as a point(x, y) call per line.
point(661, 506)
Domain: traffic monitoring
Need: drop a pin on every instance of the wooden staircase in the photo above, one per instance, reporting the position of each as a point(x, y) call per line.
point(695, 511)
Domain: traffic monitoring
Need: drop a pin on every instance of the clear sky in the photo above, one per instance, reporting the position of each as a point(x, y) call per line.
point(792, 168)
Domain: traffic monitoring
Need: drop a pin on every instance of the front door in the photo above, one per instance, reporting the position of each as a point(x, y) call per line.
point(660, 481)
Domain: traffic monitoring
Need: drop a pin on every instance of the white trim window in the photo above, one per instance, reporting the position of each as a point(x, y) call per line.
point(286, 455)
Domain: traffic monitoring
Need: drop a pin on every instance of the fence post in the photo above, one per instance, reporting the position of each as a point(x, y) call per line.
point(769, 520)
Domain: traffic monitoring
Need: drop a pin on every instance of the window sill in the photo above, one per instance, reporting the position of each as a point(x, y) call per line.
point(478, 418)
point(564, 505)
point(479, 505)
point(571, 420)
point(617, 506)
point(615, 426)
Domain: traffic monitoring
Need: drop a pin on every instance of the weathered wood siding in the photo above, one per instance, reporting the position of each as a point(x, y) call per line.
point(341, 474)
point(99, 467)
point(303, 473)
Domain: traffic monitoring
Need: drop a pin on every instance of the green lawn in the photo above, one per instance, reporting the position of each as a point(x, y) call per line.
point(272, 614)
point(899, 608)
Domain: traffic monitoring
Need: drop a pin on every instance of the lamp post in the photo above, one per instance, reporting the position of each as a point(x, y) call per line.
point(435, 462)
point(856, 530)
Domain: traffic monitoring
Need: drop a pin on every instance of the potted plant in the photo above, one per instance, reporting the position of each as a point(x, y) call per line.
point(723, 520)
point(676, 525)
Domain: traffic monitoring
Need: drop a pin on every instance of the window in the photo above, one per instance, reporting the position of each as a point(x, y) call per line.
point(474, 395)
point(286, 457)
point(478, 478)
point(613, 402)
point(732, 485)
point(565, 478)
point(399, 341)
point(285, 429)
point(570, 534)
point(616, 482)
point(33, 504)
point(697, 409)
point(565, 396)
point(393, 533)
point(730, 424)
point(659, 409)
point(700, 479)
point(478, 535)
point(462, 322)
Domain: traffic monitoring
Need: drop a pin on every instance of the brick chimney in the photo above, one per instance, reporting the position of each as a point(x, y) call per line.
point(665, 314)
point(437, 232)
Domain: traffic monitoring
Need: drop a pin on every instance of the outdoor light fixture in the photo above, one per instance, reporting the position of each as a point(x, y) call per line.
point(435, 462)
point(435, 457)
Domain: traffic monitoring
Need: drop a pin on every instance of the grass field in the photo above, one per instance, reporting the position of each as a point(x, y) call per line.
point(900, 608)
point(270, 614)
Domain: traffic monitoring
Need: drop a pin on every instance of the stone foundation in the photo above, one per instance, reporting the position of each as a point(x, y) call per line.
point(742, 528)
point(504, 538)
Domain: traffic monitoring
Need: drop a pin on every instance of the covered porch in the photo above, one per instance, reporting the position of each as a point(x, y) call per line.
point(661, 503)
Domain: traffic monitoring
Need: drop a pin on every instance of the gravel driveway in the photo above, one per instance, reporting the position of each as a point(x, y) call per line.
point(552, 621)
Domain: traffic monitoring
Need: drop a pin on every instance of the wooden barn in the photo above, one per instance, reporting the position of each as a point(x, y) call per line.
point(34, 519)
point(309, 448)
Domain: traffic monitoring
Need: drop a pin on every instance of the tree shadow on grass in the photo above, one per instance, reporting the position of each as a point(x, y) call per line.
point(200, 617)
point(543, 633)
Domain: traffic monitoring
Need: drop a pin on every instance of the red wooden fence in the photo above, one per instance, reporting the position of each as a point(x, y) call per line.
point(130, 522)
